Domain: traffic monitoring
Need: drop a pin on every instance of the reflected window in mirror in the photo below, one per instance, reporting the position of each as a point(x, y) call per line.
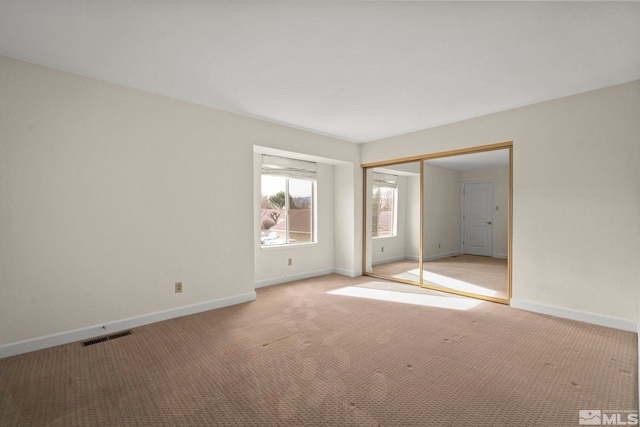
point(384, 205)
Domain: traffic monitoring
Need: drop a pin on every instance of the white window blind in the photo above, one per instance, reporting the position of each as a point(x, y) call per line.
point(385, 180)
point(292, 168)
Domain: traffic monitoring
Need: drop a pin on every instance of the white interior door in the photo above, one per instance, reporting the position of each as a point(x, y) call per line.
point(477, 218)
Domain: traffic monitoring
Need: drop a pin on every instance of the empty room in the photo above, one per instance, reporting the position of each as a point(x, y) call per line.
point(394, 213)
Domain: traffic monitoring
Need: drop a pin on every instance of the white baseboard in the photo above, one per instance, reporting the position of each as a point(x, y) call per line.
point(440, 256)
point(293, 277)
point(39, 343)
point(501, 256)
point(344, 272)
point(386, 260)
point(583, 316)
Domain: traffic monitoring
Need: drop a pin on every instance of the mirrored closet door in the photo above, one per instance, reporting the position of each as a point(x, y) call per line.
point(442, 221)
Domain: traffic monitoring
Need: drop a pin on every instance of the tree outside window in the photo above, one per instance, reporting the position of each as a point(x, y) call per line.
point(286, 210)
point(384, 202)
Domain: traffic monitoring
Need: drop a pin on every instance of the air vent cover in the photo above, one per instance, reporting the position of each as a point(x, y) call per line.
point(106, 338)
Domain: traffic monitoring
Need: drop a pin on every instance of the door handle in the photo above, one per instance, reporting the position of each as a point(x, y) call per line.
point(489, 222)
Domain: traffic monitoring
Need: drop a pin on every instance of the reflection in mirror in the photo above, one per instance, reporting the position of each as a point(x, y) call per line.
point(465, 223)
point(393, 222)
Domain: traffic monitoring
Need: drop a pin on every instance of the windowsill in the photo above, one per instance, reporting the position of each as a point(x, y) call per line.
point(383, 237)
point(289, 246)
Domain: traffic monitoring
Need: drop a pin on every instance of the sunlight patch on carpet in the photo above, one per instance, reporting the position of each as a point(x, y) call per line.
point(448, 282)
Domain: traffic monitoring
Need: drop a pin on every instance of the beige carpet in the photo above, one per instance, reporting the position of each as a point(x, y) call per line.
point(302, 356)
point(488, 274)
point(396, 268)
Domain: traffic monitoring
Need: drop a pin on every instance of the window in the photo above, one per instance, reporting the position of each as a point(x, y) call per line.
point(287, 205)
point(384, 205)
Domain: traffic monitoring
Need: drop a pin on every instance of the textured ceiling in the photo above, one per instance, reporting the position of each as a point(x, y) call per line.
point(357, 70)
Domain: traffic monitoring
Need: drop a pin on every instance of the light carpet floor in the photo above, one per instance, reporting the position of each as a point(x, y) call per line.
point(322, 352)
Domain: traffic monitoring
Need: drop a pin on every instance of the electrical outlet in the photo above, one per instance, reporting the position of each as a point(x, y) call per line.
point(290, 261)
point(178, 287)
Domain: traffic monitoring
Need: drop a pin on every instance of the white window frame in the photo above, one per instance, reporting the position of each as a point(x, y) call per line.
point(387, 181)
point(292, 169)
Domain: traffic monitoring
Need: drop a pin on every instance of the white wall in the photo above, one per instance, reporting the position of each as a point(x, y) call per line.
point(109, 195)
point(576, 226)
point(412, 241)
point(442, 223)
point(348, 229)
point(500, 179)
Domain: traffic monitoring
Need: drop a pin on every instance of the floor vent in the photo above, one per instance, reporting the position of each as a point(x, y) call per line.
point(119, 335)
point(95, 341)
point(107, 338)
